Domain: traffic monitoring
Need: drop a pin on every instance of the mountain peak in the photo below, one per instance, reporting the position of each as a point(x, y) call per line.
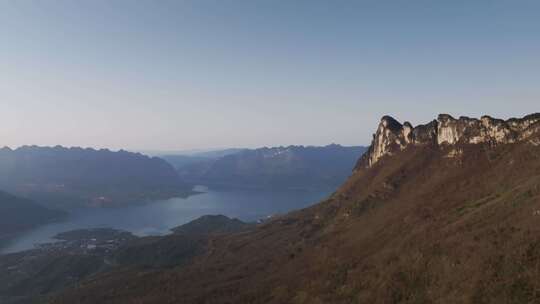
point(392, 136)
point(391, 123)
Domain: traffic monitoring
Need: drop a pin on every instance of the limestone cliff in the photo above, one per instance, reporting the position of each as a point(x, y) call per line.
point(392, 136)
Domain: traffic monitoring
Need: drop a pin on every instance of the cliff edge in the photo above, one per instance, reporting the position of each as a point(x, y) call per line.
point(392, 136)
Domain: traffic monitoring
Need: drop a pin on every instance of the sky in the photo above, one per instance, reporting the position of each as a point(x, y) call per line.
point(175, 75)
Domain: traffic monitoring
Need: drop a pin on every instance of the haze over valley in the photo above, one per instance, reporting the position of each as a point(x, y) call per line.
point(61, 189)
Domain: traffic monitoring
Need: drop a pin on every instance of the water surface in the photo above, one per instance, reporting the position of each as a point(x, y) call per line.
point(157, 218)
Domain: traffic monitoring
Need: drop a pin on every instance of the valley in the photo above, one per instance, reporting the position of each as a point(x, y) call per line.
point(71, 185)
point(158, 217)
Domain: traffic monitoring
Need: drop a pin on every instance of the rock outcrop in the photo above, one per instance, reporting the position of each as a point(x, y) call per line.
point(392, 136)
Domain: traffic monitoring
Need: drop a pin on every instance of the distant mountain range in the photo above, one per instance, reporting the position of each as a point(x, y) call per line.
point(68, 177)
point(210, 153)
point(181, 160)
point(293, 167)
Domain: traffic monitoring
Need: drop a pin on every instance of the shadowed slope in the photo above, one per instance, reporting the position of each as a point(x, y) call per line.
point(18, 214)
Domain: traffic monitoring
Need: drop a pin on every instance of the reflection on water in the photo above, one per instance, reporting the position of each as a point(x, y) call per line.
point(158, 217)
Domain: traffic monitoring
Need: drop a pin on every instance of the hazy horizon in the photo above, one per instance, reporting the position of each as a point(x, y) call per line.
point(184, 75)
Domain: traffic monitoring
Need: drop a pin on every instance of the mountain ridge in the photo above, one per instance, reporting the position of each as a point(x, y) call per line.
point(392, 136)
point(294, 167)
point(63, 177)
point(417, 226)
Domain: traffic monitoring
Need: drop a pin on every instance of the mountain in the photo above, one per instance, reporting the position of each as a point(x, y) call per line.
point(445, 212)
point(210, 224)
point(18, 214)
point(182, 159)
point(213, 154)
point(280, 167)
point(65, 177)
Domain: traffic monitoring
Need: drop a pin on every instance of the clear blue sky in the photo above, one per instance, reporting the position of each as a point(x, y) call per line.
point(170, 75)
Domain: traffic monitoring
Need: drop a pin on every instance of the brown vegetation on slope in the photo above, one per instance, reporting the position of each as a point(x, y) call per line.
point(428, 224)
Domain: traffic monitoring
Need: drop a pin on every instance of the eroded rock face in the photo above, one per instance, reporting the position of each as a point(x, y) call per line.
point(392, 136)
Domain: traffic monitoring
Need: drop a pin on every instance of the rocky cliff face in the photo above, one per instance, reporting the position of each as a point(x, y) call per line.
point(392, 136)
